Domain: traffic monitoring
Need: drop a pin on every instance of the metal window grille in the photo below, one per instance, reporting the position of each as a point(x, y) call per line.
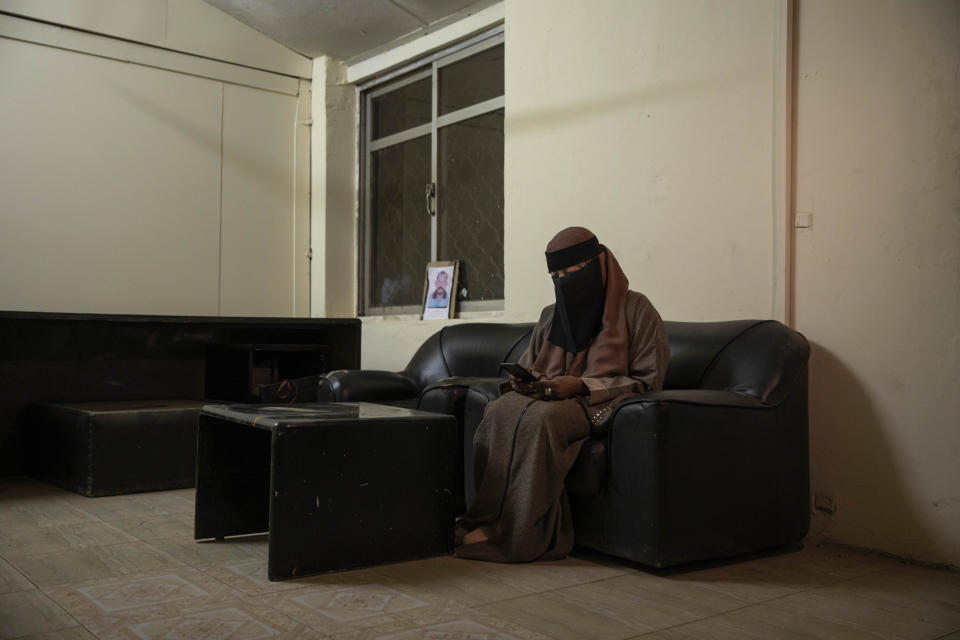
point(432, 175)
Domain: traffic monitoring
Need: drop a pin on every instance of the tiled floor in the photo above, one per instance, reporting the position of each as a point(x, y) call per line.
point(127, 567)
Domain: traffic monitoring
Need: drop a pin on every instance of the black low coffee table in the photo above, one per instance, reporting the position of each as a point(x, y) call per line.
point(337, 485)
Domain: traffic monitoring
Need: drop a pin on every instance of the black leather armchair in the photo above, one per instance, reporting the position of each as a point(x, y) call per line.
point(714, 465)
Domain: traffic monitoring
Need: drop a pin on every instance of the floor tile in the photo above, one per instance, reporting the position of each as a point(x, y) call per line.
point(346, 604)
point(618, 607)
point(201, 619)
point(49, 540)
point(30, 612)
point(249, 576)
point(249, 621)
point(905, 603)
point(464, 625)
point(467, 582)
point(190, 493)
point(176, 501)
point(649, 602)
point(560, 619)
point(175, 525)
point(731, 627)
point(73, 633)
point(201, 554)
point(900, 602)
point(133, 505)
point(12, 580)
point(180, 603)
point(21, 486)
point(770, 577)
point(30, 512)
point(472, 582)
point(163, 592)
point(537, 577)
point(80, 565)
point(128, 567)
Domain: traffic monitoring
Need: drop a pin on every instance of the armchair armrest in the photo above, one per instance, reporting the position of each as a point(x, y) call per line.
point(699, 397)
point(447, 395)
point(358, 385)
point(488, 387)
point(719, 473)
point(482, 391)
point(450, 396)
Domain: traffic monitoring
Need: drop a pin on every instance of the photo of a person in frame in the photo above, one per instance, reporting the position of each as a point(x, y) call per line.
point(439, 297)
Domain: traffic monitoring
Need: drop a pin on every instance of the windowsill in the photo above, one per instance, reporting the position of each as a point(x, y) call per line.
point(415, 317)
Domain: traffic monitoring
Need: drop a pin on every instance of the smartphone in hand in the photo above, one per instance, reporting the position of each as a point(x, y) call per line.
point(518, 372)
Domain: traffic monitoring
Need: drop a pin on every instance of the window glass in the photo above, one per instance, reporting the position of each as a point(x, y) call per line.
point(470, 188)
point(400, 224)
point(471, 80)
point(465, 158)
point(404, 108)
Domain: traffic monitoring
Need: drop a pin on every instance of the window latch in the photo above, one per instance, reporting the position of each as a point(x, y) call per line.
point(430, 191)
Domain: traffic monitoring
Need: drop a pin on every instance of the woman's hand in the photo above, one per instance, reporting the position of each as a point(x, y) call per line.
point(560, 388)
point(524, 388)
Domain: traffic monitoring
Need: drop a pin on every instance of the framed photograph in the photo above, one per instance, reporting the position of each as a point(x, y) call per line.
point(440, 290)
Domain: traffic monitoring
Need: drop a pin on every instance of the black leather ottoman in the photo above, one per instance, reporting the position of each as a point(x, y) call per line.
point(337, 486)
point(107, 448)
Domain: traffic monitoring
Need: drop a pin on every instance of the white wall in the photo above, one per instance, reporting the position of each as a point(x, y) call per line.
point(652, 124)
point(257, 261)
point(334, 194)
point(878, 274)
point(95, 193)
point(141, 180)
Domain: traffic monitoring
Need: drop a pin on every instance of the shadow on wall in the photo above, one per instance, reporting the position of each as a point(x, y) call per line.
point(252, 165)
point(632, 102)
point(854, 462)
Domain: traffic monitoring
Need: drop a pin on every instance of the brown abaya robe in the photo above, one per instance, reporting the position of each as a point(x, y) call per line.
point(524, 447)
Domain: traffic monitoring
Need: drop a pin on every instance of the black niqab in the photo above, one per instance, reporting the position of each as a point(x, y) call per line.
point(578, 315)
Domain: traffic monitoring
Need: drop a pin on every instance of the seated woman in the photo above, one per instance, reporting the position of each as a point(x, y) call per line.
point(599, 344)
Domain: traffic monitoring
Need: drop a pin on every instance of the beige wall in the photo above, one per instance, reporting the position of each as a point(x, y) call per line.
point(334, 192)
point(140, 180)
point(878, 274)
point(257, 261)
point(652, 124)
point(91, 222)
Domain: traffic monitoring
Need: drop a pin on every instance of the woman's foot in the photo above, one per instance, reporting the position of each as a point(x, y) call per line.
point(480, 534)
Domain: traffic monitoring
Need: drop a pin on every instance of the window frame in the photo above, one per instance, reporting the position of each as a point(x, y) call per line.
point(425, 67)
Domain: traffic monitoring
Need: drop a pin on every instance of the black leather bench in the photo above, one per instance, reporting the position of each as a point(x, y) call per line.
point(108, 448)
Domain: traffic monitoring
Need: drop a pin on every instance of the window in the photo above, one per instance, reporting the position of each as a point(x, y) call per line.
point(432, 175)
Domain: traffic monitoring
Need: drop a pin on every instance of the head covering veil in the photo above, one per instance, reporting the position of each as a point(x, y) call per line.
point(606, 353)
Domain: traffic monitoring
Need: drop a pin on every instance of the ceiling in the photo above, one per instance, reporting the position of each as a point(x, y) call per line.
point(347, 30)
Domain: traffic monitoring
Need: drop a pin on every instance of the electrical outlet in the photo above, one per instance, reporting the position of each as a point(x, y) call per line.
point(825, 502)
point(804, 220)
